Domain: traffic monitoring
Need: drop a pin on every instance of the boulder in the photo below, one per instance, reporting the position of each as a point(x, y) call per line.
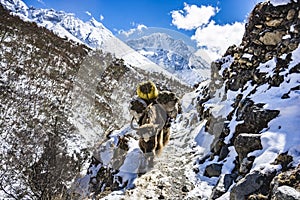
point(246, 164)
point(245, 143)
point(222, 186)
point(272, 38)
point(290, 179)
point(291, 14)
point(284, 160)
point(256, 181)
point(223, 152)
point(274, 22)
point(255, 117)
point(285, 193)
point(213, 170)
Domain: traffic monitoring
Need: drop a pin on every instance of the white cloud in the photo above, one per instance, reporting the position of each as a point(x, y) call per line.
point(279, 2)
point(192, 16)
point(41, 2)
point(88, 13)
point(212, 38)
point(101, 17)
point(139, 28)
point(217, 38)
point(127, 33)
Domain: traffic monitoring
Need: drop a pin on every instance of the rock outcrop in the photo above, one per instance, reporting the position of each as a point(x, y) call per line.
point(286, 185)
point(235, 105)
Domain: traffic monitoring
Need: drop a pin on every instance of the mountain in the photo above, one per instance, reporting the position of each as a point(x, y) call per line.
point(58, 99)
point(65, 126)
point(172, 54)
point(91, 33)
point(37, 75)
point(237, 136)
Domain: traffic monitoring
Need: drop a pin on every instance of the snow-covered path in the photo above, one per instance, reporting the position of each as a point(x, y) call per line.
point(169, 178)
point(172, 176)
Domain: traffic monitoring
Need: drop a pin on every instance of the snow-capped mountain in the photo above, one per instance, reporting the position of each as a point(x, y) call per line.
point(172, 54)
point(237, 136)
point(167, 51)
point(91, 33)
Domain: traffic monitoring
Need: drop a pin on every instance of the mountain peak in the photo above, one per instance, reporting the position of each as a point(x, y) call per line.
point(91, 33)
point(96, 23)
point(173, 54)
point(16, 6)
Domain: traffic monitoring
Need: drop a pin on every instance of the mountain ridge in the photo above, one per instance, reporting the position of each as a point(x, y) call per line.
point(91, 33)
point(236, 138)
point(173, 55)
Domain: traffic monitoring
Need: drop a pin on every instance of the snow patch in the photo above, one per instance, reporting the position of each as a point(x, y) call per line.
point(279, 2)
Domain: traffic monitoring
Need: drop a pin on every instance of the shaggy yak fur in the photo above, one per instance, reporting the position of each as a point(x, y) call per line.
point(153, 135)
point(154, 121)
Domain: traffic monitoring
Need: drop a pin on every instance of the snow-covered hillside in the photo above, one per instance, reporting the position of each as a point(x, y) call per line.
point(58, 98)
point(236, 138)
point(174, 55)
point(91, 33)
point(37, 71)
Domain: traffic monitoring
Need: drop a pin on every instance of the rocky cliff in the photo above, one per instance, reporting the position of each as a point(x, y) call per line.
point(252, 107)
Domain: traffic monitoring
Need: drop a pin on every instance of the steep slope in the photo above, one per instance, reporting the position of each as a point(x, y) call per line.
point(58, 98)
point(36, 78)
point(174, 55)
point(91, 33)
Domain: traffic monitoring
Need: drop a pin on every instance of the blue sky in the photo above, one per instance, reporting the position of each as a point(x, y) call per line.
point(122, 14)
point(202, 20)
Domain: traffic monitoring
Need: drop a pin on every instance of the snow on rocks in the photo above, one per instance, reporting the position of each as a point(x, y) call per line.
point(259, 87)
point(279, 2)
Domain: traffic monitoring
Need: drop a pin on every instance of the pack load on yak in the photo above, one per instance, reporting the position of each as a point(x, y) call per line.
point(153, 111)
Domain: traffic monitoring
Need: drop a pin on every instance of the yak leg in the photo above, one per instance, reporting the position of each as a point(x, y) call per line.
point(166, 136)
point(160, 145)
point(148, 149)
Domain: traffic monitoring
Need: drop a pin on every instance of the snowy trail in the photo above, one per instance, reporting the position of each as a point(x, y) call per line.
point(173, 176)
point(172, 173)
point(168, 178)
